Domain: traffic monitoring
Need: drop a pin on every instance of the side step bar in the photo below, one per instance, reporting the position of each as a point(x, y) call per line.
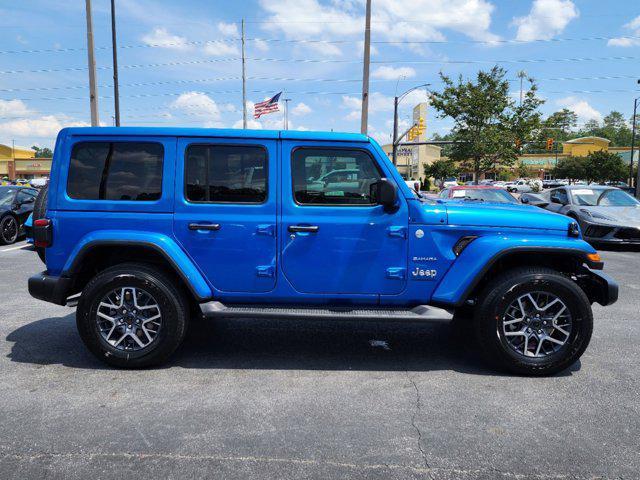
point(419, 313)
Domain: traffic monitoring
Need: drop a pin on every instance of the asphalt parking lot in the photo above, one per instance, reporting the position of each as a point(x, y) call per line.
point(264, 399)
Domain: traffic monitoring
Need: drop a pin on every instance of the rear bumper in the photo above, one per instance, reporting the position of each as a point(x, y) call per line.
point(49, 288)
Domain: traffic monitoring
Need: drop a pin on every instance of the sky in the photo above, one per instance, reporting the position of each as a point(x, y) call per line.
point(180, 61)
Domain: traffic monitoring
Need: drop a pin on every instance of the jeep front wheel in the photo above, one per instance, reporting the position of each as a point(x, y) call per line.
point(534, 321)
point(132, 316)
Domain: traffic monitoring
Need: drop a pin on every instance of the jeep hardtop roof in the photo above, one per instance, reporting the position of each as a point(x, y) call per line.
point(213, 132)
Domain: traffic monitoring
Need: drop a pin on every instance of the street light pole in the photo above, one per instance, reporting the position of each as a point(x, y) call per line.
point(364, 121)
point(114, 47)
point(396, 102)
point(633, 144)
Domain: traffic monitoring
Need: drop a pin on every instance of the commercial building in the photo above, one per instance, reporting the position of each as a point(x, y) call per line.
point(411, 160)
point(20, 162)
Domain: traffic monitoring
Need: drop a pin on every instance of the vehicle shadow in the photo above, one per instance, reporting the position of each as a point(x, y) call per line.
point(256, 344)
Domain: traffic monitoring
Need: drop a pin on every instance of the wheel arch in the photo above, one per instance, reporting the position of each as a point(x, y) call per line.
point(564, 260)
point(95, 256)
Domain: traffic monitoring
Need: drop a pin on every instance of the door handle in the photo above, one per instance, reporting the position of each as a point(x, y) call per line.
point(304, 228)
point(204, 226)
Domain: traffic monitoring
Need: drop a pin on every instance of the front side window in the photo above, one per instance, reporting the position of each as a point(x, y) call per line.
point(226, 174)
point(116, 171)
point(333, 177)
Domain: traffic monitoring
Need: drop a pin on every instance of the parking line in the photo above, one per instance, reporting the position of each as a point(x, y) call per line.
point(15, 248)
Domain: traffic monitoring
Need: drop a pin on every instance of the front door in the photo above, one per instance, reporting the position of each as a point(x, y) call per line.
point(334, 238)
point(225, 211)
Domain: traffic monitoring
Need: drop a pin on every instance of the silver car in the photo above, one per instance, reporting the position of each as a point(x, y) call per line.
point(605, 214)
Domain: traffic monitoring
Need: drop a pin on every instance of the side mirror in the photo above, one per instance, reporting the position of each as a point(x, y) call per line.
point(385, 193)
point(524, 200)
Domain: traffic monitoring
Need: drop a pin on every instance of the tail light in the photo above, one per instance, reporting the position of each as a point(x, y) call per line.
point(42, 232)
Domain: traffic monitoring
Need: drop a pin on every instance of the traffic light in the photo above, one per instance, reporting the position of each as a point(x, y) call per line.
point(421, 126)
point(550, 144)
point(412, 134)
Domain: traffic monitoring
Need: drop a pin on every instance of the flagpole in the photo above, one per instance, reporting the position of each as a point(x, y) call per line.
point(286, 113)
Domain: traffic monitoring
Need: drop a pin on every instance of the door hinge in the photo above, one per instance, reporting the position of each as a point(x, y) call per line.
point(266, 229)
point(396, 273)
point(397, 231)
point(265, 271)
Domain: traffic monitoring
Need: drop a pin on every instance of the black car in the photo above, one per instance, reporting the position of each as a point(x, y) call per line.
point(16, 204)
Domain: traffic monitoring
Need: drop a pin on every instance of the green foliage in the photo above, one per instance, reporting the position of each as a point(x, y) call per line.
point(487, 121)
point(441, 169)
point(605, 167)
point(613, 128)
point(572, 168)
point(42, 152)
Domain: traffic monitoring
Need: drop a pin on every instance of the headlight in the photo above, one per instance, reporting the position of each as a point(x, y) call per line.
point(596, 215)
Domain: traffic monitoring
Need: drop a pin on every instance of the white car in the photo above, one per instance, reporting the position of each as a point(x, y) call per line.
point(450, 182)
point(521, 186)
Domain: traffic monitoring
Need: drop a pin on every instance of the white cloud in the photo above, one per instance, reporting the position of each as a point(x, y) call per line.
point(324, 20)
point(220, 49)
point(161, 37)
point(546, 19)
point(261, 45)
point(634, 27)
point(228, 29)
point(581, 108)
point(197, 103)
point(40, 126)
point(13, 108)
point(391, 73)
point(301, 109)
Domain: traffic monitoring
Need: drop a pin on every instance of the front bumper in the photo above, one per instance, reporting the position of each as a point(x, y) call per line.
point(610, 234)
point(49, 288)
point(600, 287)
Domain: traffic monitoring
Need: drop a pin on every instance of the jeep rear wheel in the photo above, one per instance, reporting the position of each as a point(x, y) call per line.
point(534, 321)
point(132, 316)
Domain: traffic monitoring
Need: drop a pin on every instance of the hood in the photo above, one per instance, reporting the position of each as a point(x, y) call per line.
point(627, 216)
point(505, 215)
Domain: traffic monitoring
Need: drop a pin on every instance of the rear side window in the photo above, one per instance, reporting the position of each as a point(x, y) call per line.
point(333, 176)
point(116, 171)
point(226, 173)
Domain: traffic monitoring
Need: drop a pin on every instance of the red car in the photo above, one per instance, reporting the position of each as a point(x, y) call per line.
point(481, 193)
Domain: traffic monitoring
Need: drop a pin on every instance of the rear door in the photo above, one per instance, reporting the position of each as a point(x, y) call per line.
point(225, 210)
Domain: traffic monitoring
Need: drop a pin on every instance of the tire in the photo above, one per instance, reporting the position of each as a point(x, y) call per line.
point(148, 282)
point(497, 339)
point(9, 229)
point(40, 211)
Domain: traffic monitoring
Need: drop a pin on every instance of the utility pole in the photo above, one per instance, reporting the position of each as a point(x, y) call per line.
point(93, 97)
point(114, 47)
point(633, 145)
point(365, 71)
point(244, 83)
point(286, 113)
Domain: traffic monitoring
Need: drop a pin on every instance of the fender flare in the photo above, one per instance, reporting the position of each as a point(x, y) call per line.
point(161, 244)
point(454, 293)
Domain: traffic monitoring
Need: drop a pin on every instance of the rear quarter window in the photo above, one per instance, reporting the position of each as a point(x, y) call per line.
point(125, 171)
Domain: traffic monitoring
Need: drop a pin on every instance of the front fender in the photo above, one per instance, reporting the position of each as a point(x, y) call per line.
point(162, 244)
point(481, 254)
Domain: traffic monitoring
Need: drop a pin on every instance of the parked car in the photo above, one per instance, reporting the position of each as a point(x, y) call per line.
point(482, 193)
point(554, 183)
point(605, 214)
point(450, 182)
point(146, 225)
point(16, 204)
point(520, 186)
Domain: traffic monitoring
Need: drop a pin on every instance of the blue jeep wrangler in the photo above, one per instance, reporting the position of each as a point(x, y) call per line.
point(147, 227)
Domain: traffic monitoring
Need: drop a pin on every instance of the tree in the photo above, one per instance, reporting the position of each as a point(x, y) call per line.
point(441, 169)
point(559, 126)
point(604, 166)
point(487, 122)
point(42, 152)
point(571, 168)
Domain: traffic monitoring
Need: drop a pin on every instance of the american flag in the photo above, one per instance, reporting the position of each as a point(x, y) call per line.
point(268, 106)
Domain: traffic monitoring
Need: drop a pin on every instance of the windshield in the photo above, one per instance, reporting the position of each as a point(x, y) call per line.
point(591, 197)
point(7, 194)
point(485, 195)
